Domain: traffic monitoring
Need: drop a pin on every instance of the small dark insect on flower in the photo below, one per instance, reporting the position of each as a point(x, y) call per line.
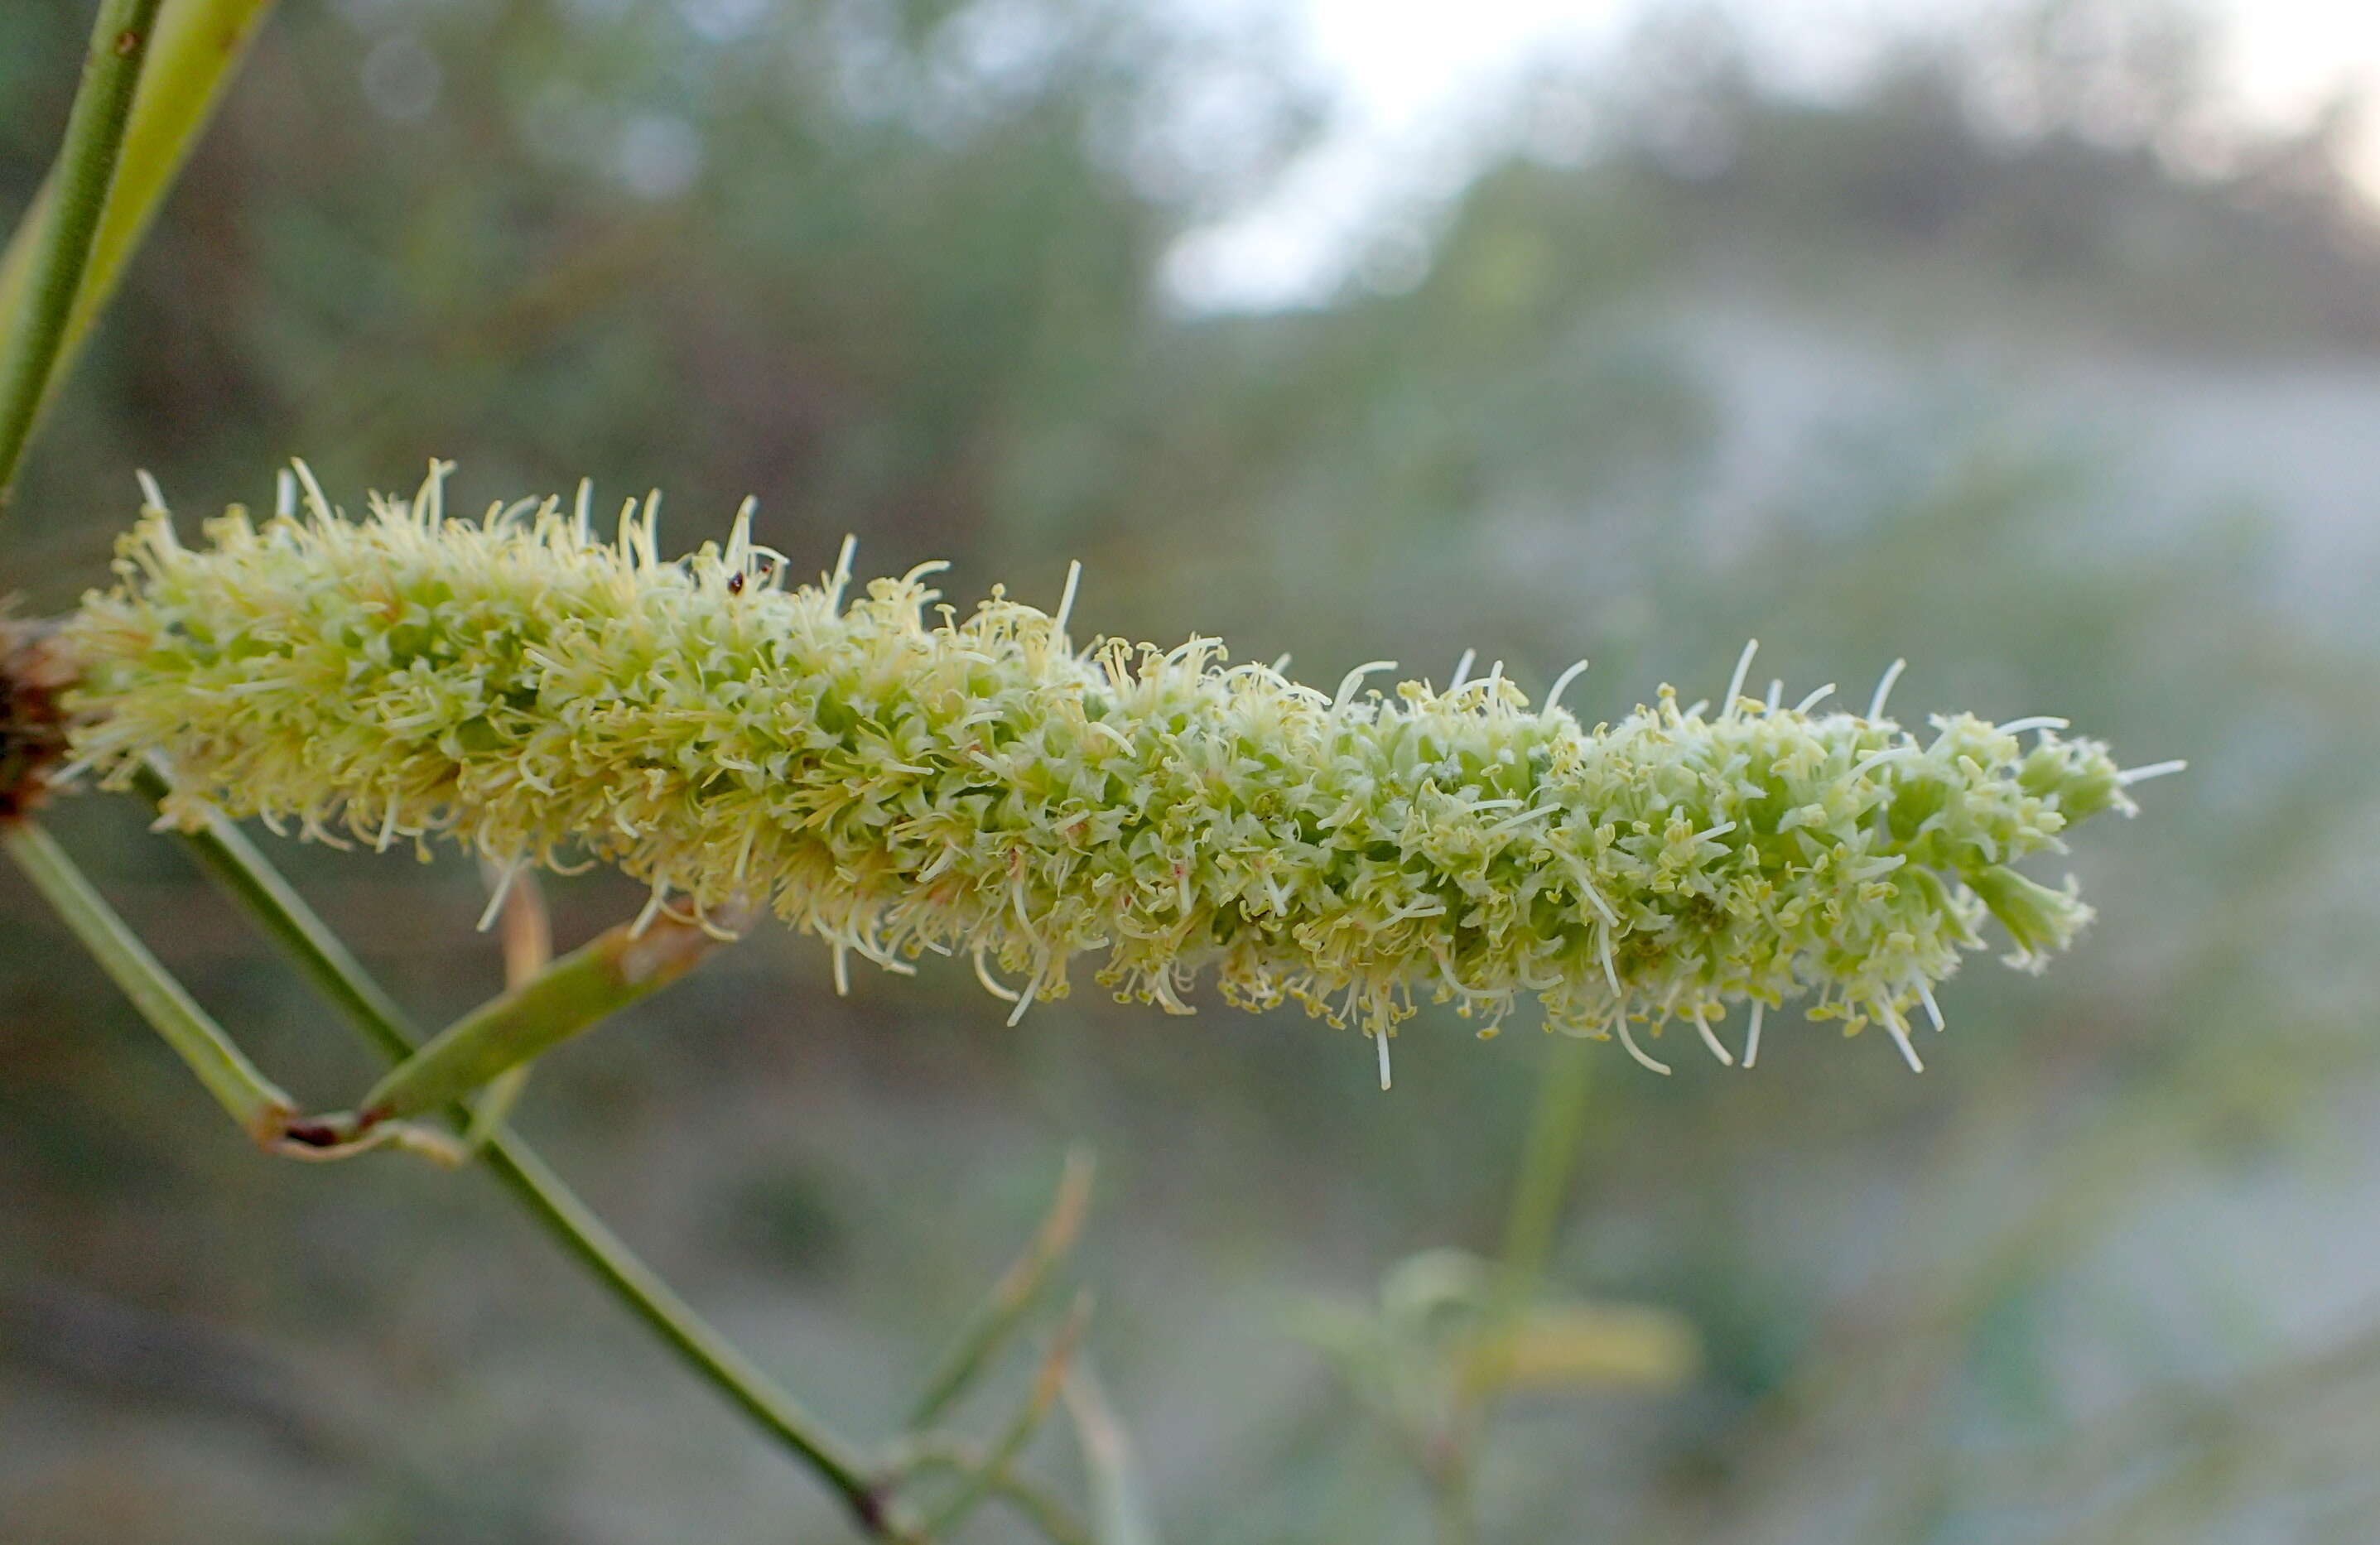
point(736, 583)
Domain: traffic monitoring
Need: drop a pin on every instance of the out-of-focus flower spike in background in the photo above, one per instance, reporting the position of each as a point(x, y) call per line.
point(2039, 344)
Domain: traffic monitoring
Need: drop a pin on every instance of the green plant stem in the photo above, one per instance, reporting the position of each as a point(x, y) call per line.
point(195, 46)
point(618, 968)
point(61, 245)
point(1013, 1296)
point(1119, 1504)
point(526, 929)
point(586, 1236)
point(1546, 1164)
point(226, 855)
point(922, 1453)
point(1539, 1192)
point(250, 1098)
point(1047, 1383)
point(249, 879)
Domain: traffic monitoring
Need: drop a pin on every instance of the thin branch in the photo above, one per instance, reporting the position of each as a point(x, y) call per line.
point(575, 1225)
point(1013, 1296)
point(195, 47)
point(226, 855)
point(249, 879)
point(36, 330)
point(1543, 1185)
point(262, 1109)
point(1047, 1383)
point(528, 932)
point(922, 1452)
point(1118, 1503)
point(527, 928)
point(620, 967)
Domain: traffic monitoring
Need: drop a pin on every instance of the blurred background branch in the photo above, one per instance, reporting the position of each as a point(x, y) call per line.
point(58, 233)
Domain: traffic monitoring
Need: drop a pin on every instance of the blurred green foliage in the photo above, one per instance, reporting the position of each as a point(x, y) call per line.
point(1871, 377)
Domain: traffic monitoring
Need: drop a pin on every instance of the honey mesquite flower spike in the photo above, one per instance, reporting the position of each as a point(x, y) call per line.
point(897, 779)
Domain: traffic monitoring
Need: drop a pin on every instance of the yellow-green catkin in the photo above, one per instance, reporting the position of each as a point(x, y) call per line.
point(900, 780)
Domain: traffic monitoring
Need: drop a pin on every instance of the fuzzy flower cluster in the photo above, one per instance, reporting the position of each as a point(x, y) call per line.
point(899, 779)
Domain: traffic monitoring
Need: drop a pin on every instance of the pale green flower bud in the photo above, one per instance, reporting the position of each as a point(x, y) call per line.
point(897, 779)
